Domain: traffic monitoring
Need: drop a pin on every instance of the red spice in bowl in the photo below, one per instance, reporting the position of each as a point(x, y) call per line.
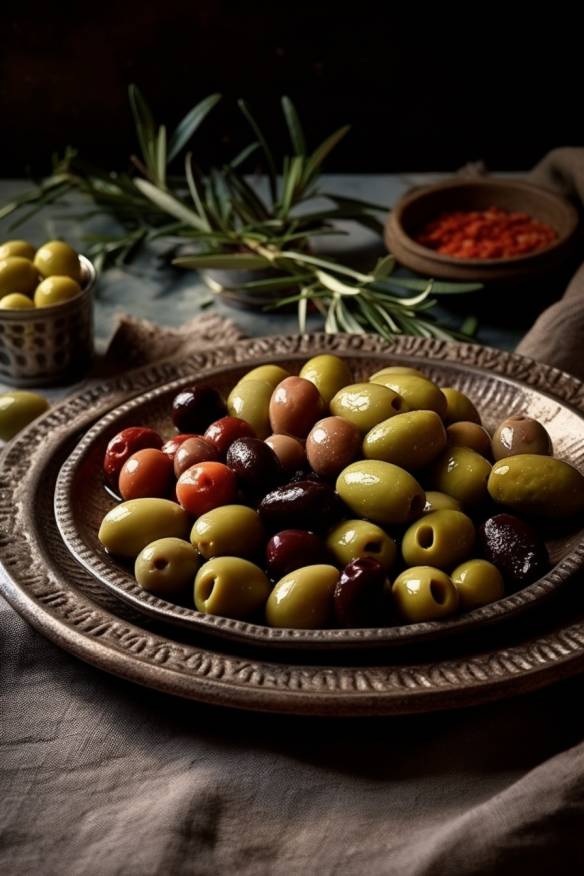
point(485, 234)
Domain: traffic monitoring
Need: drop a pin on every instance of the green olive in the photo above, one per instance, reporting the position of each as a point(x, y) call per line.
point(18, 408)
point(57, 258)
point(231, 587)
point(17, 275)
point(328, 373)
point(16, 301)
point(303, 599)
point(478, 582)
point(355, 539)
point(521, 434)
point(381, 492)
point(436, 501)
point(464, 434)
point(131, 525)
point(167, 567)
point(55, 290)
point(230, 530)
point(398, 369)
point(21, 248)
point(441, 539)
point(424, 594)
point(411, 440)
point(366, 404)
point(250, 401)
point(272, 374)
point(541, 485)
point(419, 393)
point(463, 474)
point(459, 407)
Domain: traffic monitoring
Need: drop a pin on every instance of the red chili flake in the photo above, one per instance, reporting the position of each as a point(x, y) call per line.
point(485, 234)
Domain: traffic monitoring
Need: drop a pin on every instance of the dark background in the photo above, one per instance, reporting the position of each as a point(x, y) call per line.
point(424, 90)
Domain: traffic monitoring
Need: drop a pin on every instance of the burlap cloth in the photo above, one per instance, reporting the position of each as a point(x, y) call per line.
point(98, 776)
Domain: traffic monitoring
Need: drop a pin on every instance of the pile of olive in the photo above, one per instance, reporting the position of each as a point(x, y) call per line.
point(45, 277)
point(308, 501)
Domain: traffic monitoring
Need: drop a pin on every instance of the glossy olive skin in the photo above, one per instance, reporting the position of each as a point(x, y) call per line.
point(478, 583)
point(123, 445)
point(423, 593)
point(466, 434)
point(230, 530)
point(459, 407)
point(146, 474)
point(272, 374)
point(381, 492)
point(436, 501)
point(358, 539)
point(222, 433)
point(192, 451)
point(18, 408)
point(295, 406)
point(290, 452)
point(359, 592)
point(537, 485)
point(520, 434)
point(21, 248)
point(256, 466)
point(17, 275)
point(231, 587)
point(366, 404)
point(131, 525)
point(331, 445)
point(205, 486)
point(515, 548)
point(16, 301)
point(194, 409)
point(250, 400)
point(171, 446)
point(463, 474)
point(56, 290)
point(303, 599)
point(306, 504)
point(411, 440)
point(291, 549)
point(441, 539)
point(167, 567)
point(328, 373)
point(418, 393)
point(398, 369)
point(58, 258)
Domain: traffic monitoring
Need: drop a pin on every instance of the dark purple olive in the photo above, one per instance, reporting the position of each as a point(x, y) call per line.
point(194, 409)
point(301, 505)
point(292, 549)
point(358, 595)
point(256, 465)
point(514, 548)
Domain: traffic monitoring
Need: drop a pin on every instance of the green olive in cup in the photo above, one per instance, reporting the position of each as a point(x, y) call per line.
point(57, 258)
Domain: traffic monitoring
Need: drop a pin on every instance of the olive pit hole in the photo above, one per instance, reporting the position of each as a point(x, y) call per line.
point(206, 588)
point(373, 547)
point(425, 537)
point(160, 564)
point(438, 592)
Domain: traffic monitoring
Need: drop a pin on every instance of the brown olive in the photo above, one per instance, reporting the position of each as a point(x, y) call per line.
point(290, 451)
point(467, 434)
point(331, 445)
point(256, 465)
point(304, 504)
point(520, 434)
point(295, 406)
point(195, 449)
point(515, 548)
point(358, 597)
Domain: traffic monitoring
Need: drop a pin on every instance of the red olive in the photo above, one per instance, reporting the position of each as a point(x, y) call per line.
point(123, 445)
point(359, 593)
point(195, 408)
point(292, 549)
point(147, 474)
point(222, 433)
point(307, 504)
point(295, 406)
point(515, 548)
point(256, 465)
point(205, 486)
point(195, 449)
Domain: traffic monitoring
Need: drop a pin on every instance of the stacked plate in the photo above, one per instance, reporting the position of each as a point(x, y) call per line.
point(57, 576)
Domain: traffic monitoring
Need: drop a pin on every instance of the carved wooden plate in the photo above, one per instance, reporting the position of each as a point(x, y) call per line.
point(48, 586)
point(500, 384)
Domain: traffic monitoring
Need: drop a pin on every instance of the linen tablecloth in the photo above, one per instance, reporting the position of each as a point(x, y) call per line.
point(99, 776)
